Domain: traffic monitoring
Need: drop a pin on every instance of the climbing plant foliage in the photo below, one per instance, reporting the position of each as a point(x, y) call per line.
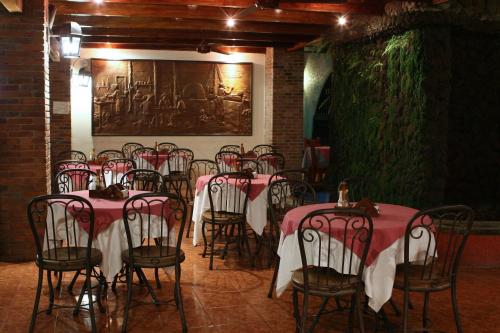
point(377, 122)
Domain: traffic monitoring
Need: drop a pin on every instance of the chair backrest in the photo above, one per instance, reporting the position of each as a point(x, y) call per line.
point(227, 160)
point(112, 170)
point(295, 174)
point(166, 146)
point(179, 160)
point(74, 155)
point(445, 231)
point(271, 162)
point(233, 148)
point(228, 192)
point(70, 180)
point(338, 239)
point(55, 222)
point(142, 180)
point(129, 147)
point(284, 195)
point(145, 158)
point(263, 149)
point(149, 220)
point(109, 154)
point(69, 164)
point(198, 168)
point(248, 163)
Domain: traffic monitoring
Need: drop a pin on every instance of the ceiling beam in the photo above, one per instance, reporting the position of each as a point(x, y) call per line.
point(199, 12)
point(162, 46)
point(190, 25)
point(13, 6)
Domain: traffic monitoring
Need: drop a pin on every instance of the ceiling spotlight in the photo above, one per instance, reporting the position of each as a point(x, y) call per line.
point(278, 10)
point(342, 20)
point(230, 22)
point(98, 1)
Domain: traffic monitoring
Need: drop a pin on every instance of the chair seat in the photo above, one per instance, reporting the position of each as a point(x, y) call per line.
point(153, 256)
point(325, 280)
point(435, 281)
point(222, 217)
point(68, 259)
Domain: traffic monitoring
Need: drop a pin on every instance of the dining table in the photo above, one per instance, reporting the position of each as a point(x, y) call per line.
point(256, 214)
point(386, 250)
point(109, 234)
point(177, 162)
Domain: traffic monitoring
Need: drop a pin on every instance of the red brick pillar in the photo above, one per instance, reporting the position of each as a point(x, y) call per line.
point(284, 103)
point(24, 124)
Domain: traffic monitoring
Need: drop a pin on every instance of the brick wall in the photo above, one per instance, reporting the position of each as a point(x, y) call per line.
point(24, 124)
point(60, 90)
point(284, 103)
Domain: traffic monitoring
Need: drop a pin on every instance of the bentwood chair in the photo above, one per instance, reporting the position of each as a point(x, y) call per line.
point(74, 155)
point(178, 168)
point(271, 162)
point(142, 180)
point(227, 193)
point(70, 180)
point(112, 170)
point(145, 158)
point(233, 148)
point(58, 249)
point(293, 174)
point(263, 149)
point(166, 146)
point(129, 147)
point(248, 164)
point(227, 160)
point(446, 229)
point(329, 269)
point(109, 154)
point(198, 168)
point(69, 164)
point(154, 215)
point(284, 195)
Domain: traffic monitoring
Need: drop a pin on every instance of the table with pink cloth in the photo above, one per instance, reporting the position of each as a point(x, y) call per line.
point(322, 154)
point(256, 207)
point(269, 164)
point(386, 250)
point(109, 229)
point(121, 168)
point(147, 161)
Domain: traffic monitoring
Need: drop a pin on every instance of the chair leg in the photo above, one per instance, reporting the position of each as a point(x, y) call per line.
point(178, 293)
point(51, 292)
point(157, 279)
point(129, 297)
point(73, 281)
point(296, 309)
point(305, 307)
point(360, 312)
point(140, 273)
point(59, 281)
point(318, 315)
point(99, 290)
point(275, 276)
point(212, 249)
point(425, 312)
point(454, 303)
point(350, 323)
point(405, 310)
point(91, 302)
point(203, 233)
point(190, 222)
point(37, 300)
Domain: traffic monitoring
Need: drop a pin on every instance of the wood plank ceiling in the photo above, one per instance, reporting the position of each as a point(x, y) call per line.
point(184, 24)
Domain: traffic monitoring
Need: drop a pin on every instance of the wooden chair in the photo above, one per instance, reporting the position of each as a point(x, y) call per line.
point(112, 170)
point(70, 180)
point(324, 274)
point(233, 148)
point(271, 162)
point(142, 180)
point(164, 250)
point(74, 155)
point(145, 158)
point(284, 195)
point(198, 168)
point(227, 160)
point(166, 146)
point(58, 251)
point(447, 229)
point(228, 208)
point(263, 149)
point(69, 164)
point(178, 169)
point(129, 147)
point(109, 154)
point(248, 163)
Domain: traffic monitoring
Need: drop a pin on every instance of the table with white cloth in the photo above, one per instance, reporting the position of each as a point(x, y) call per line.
point(256, 214)
point(385, 252)
point(147, 161)
point(109, 229)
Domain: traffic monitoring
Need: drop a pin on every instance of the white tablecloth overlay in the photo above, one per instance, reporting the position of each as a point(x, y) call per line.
point(162, 168)
point(112, 241)
point(256, 212)
point(378, 277)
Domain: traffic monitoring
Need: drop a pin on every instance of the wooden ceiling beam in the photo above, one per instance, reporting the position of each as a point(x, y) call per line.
point(193, 35)
point(190, 25)
point(163, 46)
point(184, 12)
point(13, 6)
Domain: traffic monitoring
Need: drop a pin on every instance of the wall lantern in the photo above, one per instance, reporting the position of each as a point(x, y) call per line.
point(71, 38)
point(84, 77)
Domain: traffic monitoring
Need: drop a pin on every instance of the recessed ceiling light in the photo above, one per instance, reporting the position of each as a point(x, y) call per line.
point(342, 20)
point(230, 22)
point(192, 6)
point(278, 11)
point(98, 1)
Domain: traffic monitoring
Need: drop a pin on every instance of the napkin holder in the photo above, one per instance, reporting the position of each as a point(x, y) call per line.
point(112, 192)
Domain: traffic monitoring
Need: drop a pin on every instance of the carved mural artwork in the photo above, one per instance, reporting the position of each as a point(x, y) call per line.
point(162, 97)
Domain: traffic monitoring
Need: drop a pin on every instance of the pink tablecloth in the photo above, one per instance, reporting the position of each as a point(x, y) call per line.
point(259, 184)
point(108, 211)
point(162, 157)
point(387, 228)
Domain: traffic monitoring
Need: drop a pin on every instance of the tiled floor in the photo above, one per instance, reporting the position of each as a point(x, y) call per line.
point(231, 298)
